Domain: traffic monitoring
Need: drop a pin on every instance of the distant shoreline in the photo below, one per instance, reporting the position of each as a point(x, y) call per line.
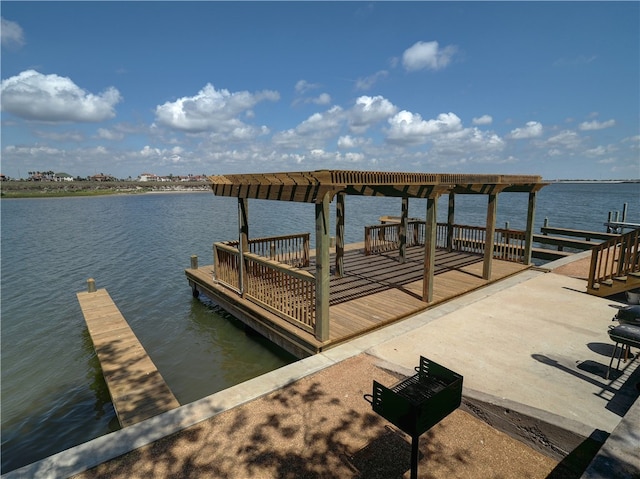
point(49, 189)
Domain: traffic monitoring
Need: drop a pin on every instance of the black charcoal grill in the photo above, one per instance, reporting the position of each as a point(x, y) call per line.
point(626, 334)
point(628, 315)
point(419, 402)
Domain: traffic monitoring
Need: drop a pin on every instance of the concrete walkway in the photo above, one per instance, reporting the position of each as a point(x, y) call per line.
point(532, 346)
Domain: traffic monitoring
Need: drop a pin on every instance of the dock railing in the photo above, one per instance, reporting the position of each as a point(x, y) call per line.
point(285, 290)
point(386, 237)
point(289, 249)
point(615, 258)
point(226, 265)
point(508, 244)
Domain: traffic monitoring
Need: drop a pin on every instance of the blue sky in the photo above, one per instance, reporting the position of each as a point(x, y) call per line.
point(125, 88)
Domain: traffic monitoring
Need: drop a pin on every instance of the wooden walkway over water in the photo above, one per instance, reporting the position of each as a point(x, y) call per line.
point(375, 291)
point(137, 388)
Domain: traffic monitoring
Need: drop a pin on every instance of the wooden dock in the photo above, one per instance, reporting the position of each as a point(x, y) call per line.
point(137, 388)
point(375, 291)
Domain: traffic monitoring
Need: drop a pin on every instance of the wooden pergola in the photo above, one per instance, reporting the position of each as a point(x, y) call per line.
point(323, 186)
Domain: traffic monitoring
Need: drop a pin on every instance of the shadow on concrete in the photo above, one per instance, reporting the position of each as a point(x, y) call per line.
point(604, 349)
point(619, 399)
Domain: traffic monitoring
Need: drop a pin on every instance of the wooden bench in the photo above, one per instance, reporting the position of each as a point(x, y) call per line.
point(587, 235)
point(540, 253)
point(561, 243)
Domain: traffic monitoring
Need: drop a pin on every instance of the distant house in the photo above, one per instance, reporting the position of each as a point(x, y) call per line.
point(101, 177)
point(62, 177)
point(148, 177)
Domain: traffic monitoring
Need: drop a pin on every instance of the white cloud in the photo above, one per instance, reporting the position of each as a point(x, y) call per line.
point(11, 34)
point(348, 142)
point(106, 134)
point(210, 110)
point(313, 131)
point(367, 83)
point(427, 55)
point(601, 150)
point(303, 86)
point(567, 139)
point(368, 111)
point(322, 99)
point(483, 120)
point(61, 136)
point(410, 128)
point(533, 129)
point(34, 96)
point(596, 125)
point(606, 161)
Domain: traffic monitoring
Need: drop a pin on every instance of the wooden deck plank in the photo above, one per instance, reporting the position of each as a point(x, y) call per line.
point(137, 388)
point(377, 290)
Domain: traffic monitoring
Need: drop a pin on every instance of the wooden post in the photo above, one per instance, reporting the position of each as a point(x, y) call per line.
point(91, 285)
point(215, 262)
point(402, 232)
point(243, 239)
point(340, 235)
point(429, 250)
point(194, 261)
point(322, 269)
point(492, 208)
point(528, 240)
point(451, 213)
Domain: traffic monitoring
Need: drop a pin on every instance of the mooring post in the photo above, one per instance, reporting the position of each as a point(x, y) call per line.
point(91, 285)
point(194, 261)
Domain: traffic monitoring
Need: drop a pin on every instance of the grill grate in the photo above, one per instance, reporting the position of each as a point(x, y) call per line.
point(417, 389)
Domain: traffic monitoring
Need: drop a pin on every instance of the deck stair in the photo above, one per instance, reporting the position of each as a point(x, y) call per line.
point(615, 265)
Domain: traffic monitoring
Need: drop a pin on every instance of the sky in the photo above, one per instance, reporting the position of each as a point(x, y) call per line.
point(178, 88)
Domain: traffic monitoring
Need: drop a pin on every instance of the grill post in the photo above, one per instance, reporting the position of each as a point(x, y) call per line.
point(415, 440)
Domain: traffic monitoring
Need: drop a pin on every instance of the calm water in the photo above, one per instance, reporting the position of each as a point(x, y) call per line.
point(137, 247)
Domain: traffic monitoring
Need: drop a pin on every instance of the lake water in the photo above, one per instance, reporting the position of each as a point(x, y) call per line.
point(137, 247)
